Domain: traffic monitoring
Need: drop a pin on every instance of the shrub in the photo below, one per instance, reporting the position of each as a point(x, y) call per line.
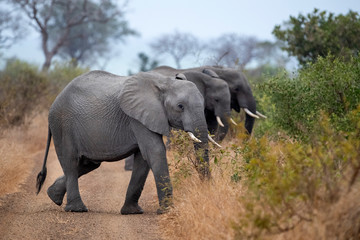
point(290, 182)
point(22, 85)
point(60, 75)
point(330, 85)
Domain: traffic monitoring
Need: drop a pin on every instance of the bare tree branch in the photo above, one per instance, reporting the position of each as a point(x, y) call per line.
point(58, 20)
point(177, 45)
point(233, 50)
point(10, 28)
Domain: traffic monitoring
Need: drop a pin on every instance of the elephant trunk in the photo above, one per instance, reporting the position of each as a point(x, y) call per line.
point(249, 123)
point(201, 150)
point(224, 116)
point(250, 105)
point(222, 131)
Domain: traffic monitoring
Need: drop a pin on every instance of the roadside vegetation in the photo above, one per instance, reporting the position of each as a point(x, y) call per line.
point(297, 177)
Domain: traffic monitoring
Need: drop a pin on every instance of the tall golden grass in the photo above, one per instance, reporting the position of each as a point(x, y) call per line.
point(17, 148)
point(201, 210)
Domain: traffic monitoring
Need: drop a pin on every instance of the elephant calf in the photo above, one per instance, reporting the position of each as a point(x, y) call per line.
point(104, 117)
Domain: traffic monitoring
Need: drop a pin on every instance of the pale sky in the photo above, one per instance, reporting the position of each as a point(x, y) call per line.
point(206, 19)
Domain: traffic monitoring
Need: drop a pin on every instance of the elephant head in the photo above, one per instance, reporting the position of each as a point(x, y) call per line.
point(159, 103)
point(241, 94)
point(216, 95)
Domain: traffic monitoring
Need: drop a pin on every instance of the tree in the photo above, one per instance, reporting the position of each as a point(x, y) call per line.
point(233, 50)
point(177, 45)
point(10, 29)
point(318, 33)
point(270, 53)
point(75, 28)
point(145, 63)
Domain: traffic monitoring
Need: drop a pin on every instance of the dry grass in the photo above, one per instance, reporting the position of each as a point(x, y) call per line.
point(203, 210)
point(214, 209)
point(334, 221)
point(17, 147)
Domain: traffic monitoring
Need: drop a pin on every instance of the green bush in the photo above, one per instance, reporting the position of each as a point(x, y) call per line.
point(288, 182)
point(60, 75)
point(22, 85)
point(330, 85)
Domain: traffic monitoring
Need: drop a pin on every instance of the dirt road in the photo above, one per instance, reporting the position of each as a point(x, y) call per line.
point(23, 215)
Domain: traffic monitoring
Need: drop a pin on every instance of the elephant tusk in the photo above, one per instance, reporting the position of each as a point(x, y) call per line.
point(260, 114)
point(213, 141)
point(219, 121)
point(233, 122)
point(250, 113)
point(193, 137)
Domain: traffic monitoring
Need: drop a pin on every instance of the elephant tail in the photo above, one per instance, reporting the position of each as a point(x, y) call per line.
point(42, 174)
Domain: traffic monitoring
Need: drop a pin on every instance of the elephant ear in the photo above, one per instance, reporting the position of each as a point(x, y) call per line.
point(180, 76)
point(141, 99)
point(210, 72)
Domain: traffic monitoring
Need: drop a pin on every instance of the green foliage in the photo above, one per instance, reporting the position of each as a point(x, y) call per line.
point(289, 181)
point(22, 85)
point(61, 74)
point(330, 85)
point(319, 33)
point(257, 78)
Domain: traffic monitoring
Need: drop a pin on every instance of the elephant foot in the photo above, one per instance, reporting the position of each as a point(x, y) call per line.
point(133, 208)
point(76, 206)
point(55, 195)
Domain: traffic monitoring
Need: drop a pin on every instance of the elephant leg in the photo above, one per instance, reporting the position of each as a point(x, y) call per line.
point(160, 170)
point(153, 150)
point(57, 190)
point(139, 174)
point(74, 202)
point(129, 162)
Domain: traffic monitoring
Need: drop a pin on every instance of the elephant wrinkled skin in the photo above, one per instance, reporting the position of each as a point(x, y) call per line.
point(216, 96)
point(104, 117)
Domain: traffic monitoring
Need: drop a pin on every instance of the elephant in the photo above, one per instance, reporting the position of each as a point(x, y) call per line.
point(217, 99)
point(217, 104)
point(100, 117)
point(240, 91)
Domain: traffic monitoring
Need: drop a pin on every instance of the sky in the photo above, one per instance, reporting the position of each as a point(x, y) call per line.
point(205, 19)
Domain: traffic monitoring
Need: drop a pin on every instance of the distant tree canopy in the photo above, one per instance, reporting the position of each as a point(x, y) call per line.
point(233, 50)
point(177, 45)
point(318, 33)
point(80, 30)
point(10, 29)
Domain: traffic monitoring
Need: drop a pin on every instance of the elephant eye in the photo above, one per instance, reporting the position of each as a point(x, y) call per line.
point(180, 106)
point(216, 100)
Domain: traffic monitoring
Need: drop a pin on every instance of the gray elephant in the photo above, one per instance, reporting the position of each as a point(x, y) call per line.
point(104, 117)
point(217, 99)
point(240, 91)
point(217, 104)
